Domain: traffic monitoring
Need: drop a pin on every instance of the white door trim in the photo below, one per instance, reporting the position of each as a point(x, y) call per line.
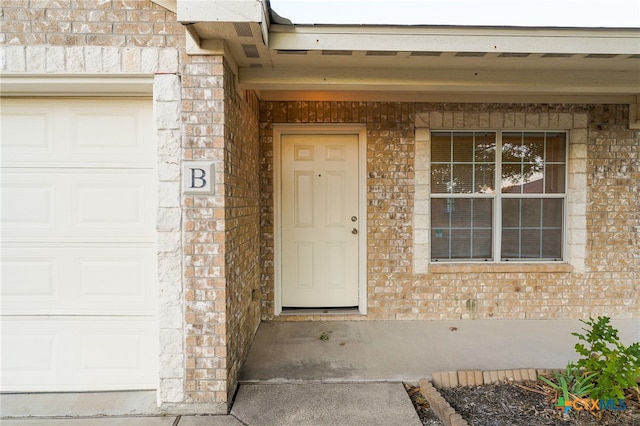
point(312, 129)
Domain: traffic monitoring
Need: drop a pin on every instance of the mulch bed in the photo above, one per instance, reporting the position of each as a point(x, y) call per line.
point(528, 403)
point(427, 416)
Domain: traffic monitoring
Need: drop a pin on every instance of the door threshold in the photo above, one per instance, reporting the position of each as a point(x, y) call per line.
point(353, 310)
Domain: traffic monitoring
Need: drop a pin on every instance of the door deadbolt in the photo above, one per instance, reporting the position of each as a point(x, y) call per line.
point(354, 231)
point(354, 219)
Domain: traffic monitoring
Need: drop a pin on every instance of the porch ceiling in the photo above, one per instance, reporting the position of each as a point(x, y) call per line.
point(289, 62)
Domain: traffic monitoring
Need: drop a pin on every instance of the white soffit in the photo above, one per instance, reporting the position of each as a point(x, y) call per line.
point(275, 58)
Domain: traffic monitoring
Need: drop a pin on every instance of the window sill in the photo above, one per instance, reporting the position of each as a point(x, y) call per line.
point(446, 268)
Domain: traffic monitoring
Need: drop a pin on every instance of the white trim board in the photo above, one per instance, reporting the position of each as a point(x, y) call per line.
point(70, 85)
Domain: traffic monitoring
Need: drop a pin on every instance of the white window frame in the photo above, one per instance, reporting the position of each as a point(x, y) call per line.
point(498, 196)
point(575, 229)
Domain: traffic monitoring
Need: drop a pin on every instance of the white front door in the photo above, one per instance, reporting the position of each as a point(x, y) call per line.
point(319, 220)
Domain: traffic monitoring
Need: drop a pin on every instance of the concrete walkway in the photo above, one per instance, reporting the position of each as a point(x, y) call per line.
point(331, 373)
point(274, 404)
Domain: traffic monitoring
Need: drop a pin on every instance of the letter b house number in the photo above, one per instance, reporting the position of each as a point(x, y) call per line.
point(197, 177)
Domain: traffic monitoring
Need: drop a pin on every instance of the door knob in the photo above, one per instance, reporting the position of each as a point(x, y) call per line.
point(354, 231)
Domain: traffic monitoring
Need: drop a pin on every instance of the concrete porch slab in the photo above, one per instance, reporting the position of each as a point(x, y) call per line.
point(352, 376)
point(324, 404)
point(395, 351)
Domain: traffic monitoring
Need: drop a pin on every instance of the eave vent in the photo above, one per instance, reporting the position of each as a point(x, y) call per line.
point(470, 54)
point(243, 29)
point(381, 53)
point(557, 55)
point(600, 56)
point(250, 51)
point(292, 52)
point(513, 55)
point(336, 52)
point(426, 53)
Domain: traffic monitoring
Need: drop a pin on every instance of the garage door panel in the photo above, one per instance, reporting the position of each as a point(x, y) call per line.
point(28, 353)
point(45, 354)
point(27, 203)
point(31, 354)
point(74, 206)
point(71, 132)
point(111, 276)
point(111, 131)
point(35, 127)
point(133, 365)
point(96, 354)
point(92, 280)
point(106, 202)
point(116, 281)
point(28, 276)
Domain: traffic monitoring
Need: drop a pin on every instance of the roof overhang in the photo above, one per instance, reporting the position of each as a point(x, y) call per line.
point(281, 61)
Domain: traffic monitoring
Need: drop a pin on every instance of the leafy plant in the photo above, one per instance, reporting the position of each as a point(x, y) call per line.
point(571, 383)
point(611, 366)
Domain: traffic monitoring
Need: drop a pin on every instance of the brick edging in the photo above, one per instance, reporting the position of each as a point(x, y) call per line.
point(440, 406)
point(452, 379)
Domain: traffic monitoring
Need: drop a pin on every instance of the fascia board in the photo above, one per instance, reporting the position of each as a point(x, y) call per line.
point(171, 5)
point(445, 97)
point(451, 81)
point(220, 11)
point(455, 40)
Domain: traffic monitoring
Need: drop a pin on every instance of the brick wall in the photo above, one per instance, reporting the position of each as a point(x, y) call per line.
point(242, 225)
point(613, 213)
point(221, 231)
point(204, 237)
point(213, 251)
point(606, 283)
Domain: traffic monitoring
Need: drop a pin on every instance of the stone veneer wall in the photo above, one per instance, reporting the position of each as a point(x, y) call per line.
point(607, 279)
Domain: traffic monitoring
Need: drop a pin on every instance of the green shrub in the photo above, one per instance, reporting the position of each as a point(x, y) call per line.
point(611, 366)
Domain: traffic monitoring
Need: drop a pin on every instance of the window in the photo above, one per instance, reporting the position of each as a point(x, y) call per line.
point(497, 195)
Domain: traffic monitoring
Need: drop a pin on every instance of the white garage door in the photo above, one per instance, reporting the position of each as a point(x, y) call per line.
point(79, 288)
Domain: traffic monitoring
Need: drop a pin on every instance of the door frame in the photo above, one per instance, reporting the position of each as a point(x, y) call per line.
point(320, 129)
